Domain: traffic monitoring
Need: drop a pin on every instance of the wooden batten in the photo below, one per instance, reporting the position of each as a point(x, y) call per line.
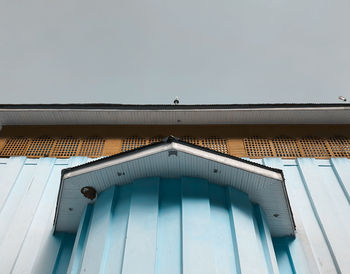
point(112, 146)
point(236, 147)
point(2, 143)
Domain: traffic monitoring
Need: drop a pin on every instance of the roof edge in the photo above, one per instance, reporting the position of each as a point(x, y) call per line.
point(105, 106)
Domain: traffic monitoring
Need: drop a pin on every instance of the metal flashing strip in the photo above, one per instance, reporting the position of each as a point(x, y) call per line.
point(170, 159)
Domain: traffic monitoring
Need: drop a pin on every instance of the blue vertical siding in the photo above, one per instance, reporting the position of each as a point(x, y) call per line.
point(191, 225)
point(196, 228)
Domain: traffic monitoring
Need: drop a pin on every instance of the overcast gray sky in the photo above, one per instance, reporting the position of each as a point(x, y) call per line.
point(149, 51)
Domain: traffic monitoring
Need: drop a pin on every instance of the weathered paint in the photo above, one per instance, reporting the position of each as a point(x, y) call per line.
point(318, 192)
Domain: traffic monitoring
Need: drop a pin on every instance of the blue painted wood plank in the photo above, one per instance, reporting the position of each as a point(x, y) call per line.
point(41, 227)
point(311, 250)
point(221, 231)
point(18, 228)
point(328, 219)
point(251, 258)
point(198, 254)
point(301, 250)
point(18, 193)
point(341, 168)
point(140, 248)
point(98, 232)
point(48, 245)
point(169, 248)
point(266, 240)
point(64, 254)
point(115, 245)
point(46, 262)
point(8, 177)
point(285, 263)
point(80, 241)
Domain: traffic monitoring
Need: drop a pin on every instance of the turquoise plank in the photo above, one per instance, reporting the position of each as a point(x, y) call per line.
point(285, 263)
point(17, 194)
point(80, 241)
point(98, 232)
point(8, 177)
point(341, 168)
point(328, 219)
point(198, 255)
point(266, 240)
point(169, 248)
point(41, 226)
point(313, 251)
point(48, 246)
point(115, 244)
point(303, 253)
point(249, 254)
point(64, 254)
point(221, 231)
point(141, 242)
point(21, 221)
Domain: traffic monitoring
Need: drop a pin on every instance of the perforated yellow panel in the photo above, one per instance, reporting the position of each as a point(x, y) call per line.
point(192, 140)
point(286, 147)
point(92, 147)
point(65, 147)
point(154, 140)
point(40, 147)
point(215, 143)
point(314, 147)
point(340, 146)
point(132, 143)
point(15, 146)
point(258, 147)
point(253, 147)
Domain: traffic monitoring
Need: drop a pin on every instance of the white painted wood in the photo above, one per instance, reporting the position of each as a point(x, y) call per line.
point(264, 186)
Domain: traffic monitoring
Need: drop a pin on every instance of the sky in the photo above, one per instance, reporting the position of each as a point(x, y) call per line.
point(150, 51)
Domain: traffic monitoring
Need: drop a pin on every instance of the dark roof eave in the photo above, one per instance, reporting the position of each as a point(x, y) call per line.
point(167, 106)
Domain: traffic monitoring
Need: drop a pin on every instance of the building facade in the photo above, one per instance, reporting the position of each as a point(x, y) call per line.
point(239, 189)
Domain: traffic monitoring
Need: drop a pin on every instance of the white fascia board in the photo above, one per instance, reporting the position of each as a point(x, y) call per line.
point(182, 148)
point(340, 108)
point(259, 116)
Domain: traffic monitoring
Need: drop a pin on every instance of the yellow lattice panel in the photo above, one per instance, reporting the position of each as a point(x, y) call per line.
point(192, 140)
point(314, 147)
point(65, 147)
point(215, 143)
point(286, 147)
point(258, 147)
point(91, 147)
point(132, 143)
point(340, 146)
point(40, 147)
point(2, 143)
point(154, 140)
point(15, 147)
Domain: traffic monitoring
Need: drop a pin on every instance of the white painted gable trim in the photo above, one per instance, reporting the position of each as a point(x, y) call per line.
point(172, 159)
